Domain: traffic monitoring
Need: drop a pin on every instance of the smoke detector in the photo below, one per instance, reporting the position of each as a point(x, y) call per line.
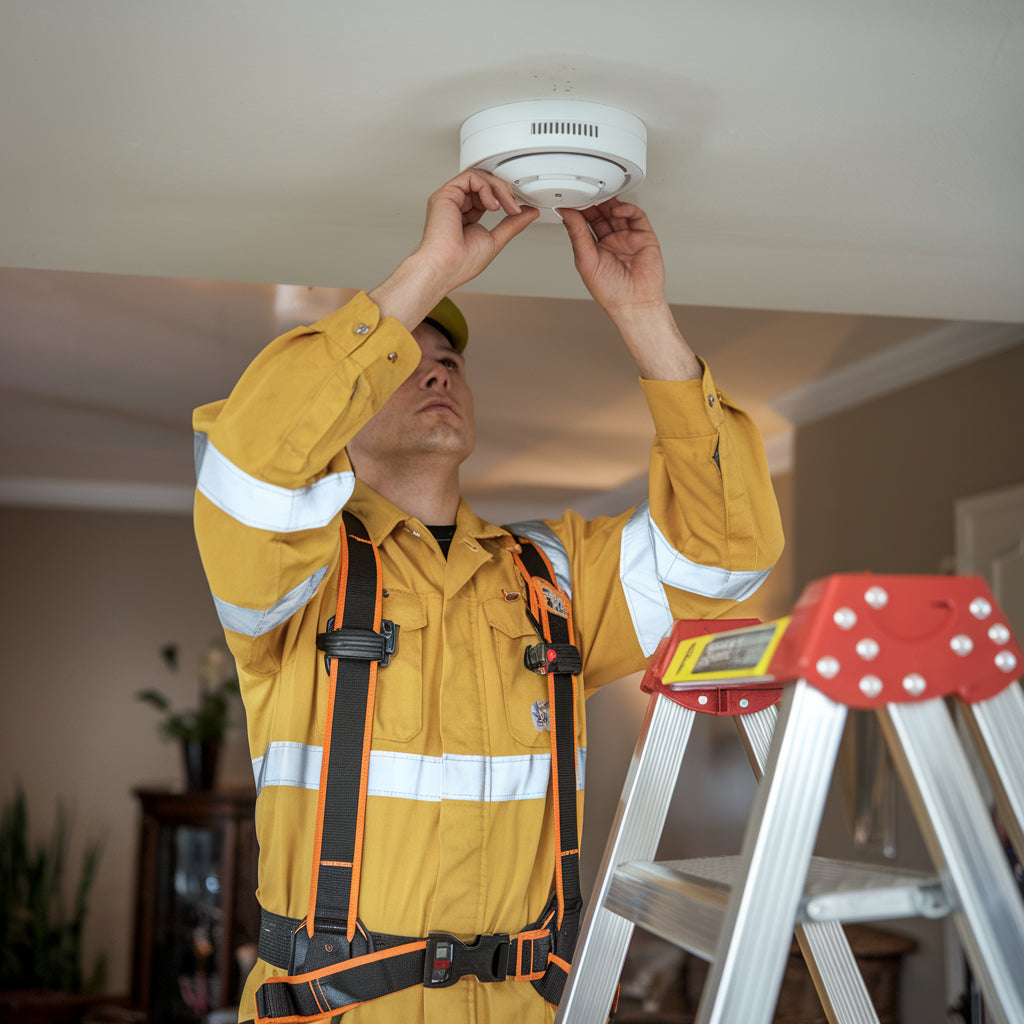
point(557, 153)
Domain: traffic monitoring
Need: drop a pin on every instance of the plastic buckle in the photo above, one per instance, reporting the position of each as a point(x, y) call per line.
point(359, 644)
point(327, 946)
point(447, 959)
point(547, 659)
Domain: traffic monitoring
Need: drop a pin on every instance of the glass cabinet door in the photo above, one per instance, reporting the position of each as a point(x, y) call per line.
point(196, 904)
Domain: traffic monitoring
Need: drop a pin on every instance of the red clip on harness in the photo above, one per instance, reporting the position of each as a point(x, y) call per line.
point(547, 659)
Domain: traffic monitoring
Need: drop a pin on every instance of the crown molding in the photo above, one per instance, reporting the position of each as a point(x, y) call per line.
point(928, 355)
point(103, 496)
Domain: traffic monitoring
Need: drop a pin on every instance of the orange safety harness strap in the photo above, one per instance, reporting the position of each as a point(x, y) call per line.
point(559, 660)
point(334, 962)
point(338, 840)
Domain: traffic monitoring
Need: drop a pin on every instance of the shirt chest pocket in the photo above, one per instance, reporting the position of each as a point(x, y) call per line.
point(524, 695)
point(398, 710)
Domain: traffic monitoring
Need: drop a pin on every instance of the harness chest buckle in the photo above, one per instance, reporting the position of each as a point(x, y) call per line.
point(447, 959)
point(359, 644)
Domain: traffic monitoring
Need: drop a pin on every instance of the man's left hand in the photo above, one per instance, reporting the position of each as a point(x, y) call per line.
point(618, 256)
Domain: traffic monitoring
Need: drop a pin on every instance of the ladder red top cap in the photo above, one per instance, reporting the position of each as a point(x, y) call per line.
point(866, 639)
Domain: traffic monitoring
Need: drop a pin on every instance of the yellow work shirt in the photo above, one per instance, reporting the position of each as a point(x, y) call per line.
point(458, 833)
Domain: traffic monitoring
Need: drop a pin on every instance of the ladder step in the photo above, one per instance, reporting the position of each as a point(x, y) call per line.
point(684, 901)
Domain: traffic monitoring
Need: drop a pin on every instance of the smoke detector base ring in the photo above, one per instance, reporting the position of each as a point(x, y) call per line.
point(557, 153)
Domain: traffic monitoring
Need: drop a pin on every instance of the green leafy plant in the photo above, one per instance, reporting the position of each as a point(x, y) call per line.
point(209, 721)
point(40, 937)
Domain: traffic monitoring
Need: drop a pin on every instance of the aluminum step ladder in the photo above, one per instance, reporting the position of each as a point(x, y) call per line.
point(902, 647)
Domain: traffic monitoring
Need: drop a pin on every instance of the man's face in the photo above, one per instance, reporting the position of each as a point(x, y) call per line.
point(431, 413)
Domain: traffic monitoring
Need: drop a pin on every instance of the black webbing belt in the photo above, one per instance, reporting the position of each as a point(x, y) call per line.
point(335, 963)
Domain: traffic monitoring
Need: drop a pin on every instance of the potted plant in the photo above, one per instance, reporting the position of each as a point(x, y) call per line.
point(41, 976)
point(201, 729)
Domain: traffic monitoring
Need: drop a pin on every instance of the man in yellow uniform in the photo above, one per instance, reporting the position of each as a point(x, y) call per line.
point(369, 410)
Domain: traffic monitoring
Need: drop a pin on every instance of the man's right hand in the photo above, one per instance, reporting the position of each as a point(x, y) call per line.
point(455, 246)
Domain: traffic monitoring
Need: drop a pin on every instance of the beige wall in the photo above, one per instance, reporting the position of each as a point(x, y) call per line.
point(89, 600)
point(875, 485)
point(874, 491)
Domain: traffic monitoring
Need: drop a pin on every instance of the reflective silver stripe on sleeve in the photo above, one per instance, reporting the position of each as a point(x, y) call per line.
point(546, 539)
point(257, 621)
point(288, 764)
point(266, 506)
point(648, 560)
point(417, 777)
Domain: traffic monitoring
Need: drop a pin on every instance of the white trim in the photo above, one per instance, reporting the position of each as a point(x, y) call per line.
point(928, 355)
point(638, 573)
point(547, 540)
point(265, 506)
point(648, 562)
point(101, 495)
point(973, 521)
point(418, 777)
point(257, 621)
point(676, 570)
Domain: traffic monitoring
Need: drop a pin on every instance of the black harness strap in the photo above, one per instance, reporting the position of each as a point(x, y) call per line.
point(334, 892)
point(559, 659)
point(334, 963)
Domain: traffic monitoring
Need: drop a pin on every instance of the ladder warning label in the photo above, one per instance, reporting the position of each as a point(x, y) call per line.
point(739, 654)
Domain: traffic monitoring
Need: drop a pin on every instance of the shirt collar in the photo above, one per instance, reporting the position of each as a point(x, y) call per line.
point(381, 517)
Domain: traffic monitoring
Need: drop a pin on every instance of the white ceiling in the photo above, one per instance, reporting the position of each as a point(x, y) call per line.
point(829, 179)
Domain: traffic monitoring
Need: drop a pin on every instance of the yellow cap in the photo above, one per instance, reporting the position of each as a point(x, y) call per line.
point(448, 319)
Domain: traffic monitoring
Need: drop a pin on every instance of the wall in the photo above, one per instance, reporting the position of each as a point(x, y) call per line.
point(89, 600)
point(876, 484)
point(874, 491)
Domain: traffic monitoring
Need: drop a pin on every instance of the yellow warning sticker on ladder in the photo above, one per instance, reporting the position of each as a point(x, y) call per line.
point(738, 654)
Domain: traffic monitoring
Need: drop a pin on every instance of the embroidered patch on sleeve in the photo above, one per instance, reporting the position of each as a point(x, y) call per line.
point(541, 717)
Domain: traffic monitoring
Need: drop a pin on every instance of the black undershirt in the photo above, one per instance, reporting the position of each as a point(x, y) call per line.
point(444, 536)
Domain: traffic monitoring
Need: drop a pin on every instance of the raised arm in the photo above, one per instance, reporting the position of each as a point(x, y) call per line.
point(619, 259)
point(455, 246)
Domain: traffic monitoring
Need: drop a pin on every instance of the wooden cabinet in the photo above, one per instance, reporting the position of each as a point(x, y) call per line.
point(663, 985)
point(196, 916)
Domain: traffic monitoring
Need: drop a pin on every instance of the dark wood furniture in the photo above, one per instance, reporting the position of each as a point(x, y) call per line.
point(675, 989)
point(196, 914)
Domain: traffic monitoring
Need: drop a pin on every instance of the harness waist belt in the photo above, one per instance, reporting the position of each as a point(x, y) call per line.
point(526, 956)
point(350, 973)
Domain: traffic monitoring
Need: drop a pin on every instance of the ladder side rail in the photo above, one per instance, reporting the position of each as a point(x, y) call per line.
point(746, 975)
point(635, 833)
point(825, 947)
point(961, 838)
point(996, 727)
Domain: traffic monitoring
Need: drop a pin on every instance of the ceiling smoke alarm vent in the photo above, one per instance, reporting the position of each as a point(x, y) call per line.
point(557, 153)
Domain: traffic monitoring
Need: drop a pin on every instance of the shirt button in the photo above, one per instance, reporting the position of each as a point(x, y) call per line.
point(711, 400)
point(362, 329)
point(393, 357)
